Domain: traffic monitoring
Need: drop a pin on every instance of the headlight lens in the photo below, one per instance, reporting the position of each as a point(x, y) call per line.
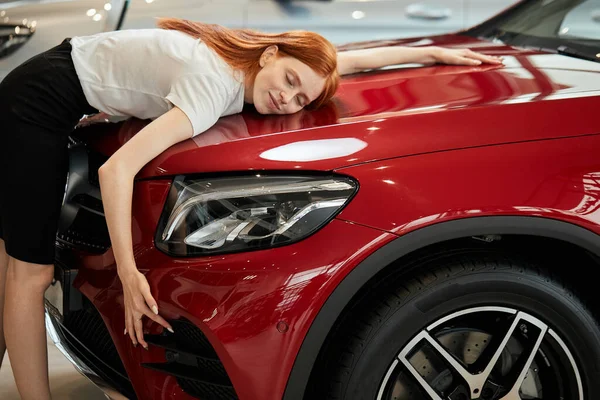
point(211, 216)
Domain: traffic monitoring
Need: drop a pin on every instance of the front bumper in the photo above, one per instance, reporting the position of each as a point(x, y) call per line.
point(250, 311)
point(78, 331)
point(84, 361)
point(239, 319)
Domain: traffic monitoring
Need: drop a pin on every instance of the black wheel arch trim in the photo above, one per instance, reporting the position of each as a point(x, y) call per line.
point(403, 245)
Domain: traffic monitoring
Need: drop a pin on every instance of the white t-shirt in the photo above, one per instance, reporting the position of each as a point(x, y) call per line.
point(144, 72)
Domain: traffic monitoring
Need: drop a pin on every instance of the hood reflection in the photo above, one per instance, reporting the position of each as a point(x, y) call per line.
point(251, 123)
point(312, 150)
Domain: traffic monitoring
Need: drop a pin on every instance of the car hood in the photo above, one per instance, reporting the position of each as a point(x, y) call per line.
point(394, 112)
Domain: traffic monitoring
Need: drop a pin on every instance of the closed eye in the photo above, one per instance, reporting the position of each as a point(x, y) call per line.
point(291, 81)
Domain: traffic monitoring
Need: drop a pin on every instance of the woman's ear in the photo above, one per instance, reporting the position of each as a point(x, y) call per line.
point(269, 53)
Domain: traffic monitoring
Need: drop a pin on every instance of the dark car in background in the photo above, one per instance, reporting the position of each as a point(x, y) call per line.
point(432, 233)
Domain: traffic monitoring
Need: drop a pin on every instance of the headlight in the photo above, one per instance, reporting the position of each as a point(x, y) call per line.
point(225, 215)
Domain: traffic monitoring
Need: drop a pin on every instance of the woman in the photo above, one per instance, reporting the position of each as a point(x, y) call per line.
point(185, 85)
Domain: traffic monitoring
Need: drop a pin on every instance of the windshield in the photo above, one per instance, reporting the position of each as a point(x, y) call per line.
point(570, 27)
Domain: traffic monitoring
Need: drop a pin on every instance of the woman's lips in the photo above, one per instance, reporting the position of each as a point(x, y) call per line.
point(273, 104)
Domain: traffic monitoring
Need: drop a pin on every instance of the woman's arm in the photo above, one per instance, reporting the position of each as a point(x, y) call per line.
point(353, 61)
point(116, 185)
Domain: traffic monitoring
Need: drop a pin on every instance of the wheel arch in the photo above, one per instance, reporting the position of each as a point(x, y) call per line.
point(402, 246)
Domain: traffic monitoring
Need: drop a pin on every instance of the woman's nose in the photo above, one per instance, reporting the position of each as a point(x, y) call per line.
point(285, 96)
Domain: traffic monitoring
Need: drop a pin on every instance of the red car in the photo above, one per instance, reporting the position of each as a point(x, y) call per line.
point(432, 234)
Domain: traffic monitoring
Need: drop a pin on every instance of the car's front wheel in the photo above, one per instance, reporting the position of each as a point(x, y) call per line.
point(467, 327)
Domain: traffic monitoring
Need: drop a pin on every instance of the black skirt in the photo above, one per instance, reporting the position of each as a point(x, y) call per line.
point(41, 102)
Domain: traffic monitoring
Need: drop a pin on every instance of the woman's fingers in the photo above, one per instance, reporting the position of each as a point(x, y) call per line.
point(139, 302)
point(484, 58)
point(151, 303)
point(135, 326)
point(462, 60)
point(158, 319)
point(129, 328)
point(139, 331)
point(466, 60)
point(468, 57)
point(470, 61)
point(155, 317)
point(139, 326)
point(148, 299)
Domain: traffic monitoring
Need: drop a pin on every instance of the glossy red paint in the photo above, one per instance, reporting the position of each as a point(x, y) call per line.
point(558, 179)
point(426, 145)
point(237, 300)
point(396, 112)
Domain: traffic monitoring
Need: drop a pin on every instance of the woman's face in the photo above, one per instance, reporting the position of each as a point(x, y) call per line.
point(284, 85)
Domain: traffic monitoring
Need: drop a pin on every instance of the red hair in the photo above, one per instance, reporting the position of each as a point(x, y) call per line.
point(242, 48)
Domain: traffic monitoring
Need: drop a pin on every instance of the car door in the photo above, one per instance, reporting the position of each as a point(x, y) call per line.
point(29, 27)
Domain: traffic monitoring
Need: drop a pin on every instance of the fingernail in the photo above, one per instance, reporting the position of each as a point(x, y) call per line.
point(155, 309)
point(125, 333)
point(146, 347)
point(170, 330)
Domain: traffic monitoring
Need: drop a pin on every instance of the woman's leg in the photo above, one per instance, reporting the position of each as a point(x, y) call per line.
point(24, 326)
point(46, 101)
point(3, 268)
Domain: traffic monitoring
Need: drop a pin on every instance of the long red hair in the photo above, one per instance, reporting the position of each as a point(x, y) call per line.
point(242, 48)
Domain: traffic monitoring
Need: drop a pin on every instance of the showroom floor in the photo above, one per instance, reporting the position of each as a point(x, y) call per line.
point(65, 382)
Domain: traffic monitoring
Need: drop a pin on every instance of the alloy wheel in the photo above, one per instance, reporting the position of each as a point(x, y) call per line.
point(488, 353)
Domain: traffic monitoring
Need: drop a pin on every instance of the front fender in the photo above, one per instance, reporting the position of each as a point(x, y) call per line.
point(404, 245)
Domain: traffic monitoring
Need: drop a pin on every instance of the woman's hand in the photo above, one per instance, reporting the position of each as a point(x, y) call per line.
point(138, 302)
point(463, 57)
point(353, 61)
point(93, 119)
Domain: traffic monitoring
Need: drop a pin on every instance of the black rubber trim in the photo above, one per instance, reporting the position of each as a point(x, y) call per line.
point(475, 226)
point(172, 345)
point(187, 372)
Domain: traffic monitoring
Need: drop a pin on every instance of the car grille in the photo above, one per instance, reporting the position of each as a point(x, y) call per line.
point(192, 360)
point(82, 222)
point(87, 326)
point(88, 232)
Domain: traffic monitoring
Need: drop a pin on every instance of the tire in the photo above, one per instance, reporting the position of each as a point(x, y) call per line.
point(472, 287)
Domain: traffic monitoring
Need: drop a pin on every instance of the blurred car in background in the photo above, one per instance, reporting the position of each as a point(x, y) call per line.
point(33, 26)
